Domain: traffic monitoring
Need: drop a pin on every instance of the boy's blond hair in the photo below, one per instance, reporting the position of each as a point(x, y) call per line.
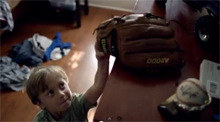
point(37, 80)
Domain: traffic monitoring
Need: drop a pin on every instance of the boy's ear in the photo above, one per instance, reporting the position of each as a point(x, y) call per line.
point(40, 105)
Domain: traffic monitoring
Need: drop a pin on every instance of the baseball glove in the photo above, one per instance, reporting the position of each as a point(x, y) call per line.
point(140, 41)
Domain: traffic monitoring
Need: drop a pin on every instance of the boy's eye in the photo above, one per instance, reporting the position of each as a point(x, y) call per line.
point(62, 85)
point(50, 93)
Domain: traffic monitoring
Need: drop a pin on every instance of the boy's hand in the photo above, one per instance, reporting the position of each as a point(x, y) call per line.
point(101, 56)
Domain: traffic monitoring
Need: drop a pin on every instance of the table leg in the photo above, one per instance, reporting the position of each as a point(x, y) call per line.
point(86, 7)
point(78, 14)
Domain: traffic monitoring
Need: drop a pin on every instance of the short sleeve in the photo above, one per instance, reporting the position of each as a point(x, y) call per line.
point(43, 116)
point(40, 117)
point(80, 105)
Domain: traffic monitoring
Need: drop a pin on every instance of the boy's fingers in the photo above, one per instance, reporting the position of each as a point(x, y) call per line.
point(96, 46)
point(100, 54)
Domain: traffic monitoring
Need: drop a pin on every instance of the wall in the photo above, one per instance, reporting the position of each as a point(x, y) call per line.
point(123, 5)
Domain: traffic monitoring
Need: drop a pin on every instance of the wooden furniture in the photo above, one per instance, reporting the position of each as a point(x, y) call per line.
point(86, 5)
point(74, 14)
point(134, 96)
point(77, 12)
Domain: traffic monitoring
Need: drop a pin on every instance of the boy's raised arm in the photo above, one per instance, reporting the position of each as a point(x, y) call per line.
point(95, 91)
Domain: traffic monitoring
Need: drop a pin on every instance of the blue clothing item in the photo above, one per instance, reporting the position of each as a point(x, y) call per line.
point(57, 42)
point(23, 54)
point(216, 117)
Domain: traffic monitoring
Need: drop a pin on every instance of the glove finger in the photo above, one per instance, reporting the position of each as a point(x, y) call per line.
point(145, 31)
point(161, 22)
point(148, 45)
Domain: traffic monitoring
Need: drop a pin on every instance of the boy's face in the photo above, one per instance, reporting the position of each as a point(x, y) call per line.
point(57, 98)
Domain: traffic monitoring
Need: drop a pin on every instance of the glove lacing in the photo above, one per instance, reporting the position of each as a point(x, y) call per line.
point(114, 18)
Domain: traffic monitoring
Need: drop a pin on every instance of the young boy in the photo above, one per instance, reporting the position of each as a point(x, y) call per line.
point(48, 88)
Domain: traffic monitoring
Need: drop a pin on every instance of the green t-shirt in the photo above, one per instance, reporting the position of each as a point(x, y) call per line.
point(77, 111)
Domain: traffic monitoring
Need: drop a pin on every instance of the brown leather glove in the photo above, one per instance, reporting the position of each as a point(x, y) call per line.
point(140, 41)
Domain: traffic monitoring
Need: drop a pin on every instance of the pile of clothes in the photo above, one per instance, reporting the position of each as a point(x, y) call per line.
point(6, 18)
point(15, 67)
point(38, 49)
point(12, 76)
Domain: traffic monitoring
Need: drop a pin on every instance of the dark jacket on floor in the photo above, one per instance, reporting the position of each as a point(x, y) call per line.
point(23, 54)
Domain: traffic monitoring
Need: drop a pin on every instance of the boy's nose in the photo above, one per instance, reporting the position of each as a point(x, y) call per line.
point(62, 94)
